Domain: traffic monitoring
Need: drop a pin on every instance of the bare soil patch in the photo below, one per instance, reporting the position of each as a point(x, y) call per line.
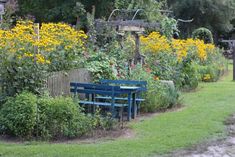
point(94, 137)
point(215, 148)
point(100, 136)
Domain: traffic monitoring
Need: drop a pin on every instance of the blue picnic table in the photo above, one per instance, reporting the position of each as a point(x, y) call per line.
point(101, 93)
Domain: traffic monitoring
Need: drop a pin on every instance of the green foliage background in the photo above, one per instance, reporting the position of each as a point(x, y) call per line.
point(216, 15)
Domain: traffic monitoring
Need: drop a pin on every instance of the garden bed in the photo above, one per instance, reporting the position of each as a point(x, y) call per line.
point(121, 131)
point(201, 119)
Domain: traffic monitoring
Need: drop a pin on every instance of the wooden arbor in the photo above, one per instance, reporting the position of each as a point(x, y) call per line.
point(232, 47)
point(129, 23)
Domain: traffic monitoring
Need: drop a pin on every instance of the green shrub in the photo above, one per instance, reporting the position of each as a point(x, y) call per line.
point(210, 70)
point(100, 65)
point(60, 117)
point(166, 67)
point(209, 73)
point(189, 76)
point(41, 128)
point(18, 76)
point(104, 122)
point(203, 34)
point(27, 116)
point(169, 27)
point(159, 95)
point(18, 115)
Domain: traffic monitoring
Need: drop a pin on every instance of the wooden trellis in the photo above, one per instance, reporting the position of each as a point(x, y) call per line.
point(127, 22)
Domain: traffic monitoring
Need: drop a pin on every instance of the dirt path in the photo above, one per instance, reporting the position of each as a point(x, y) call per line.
point(219, 148)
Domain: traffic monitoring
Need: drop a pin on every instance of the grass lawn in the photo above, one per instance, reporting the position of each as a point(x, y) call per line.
point(200, 120)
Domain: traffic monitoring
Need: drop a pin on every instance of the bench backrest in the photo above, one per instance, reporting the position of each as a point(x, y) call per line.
point(89, 88)
point(142, 84)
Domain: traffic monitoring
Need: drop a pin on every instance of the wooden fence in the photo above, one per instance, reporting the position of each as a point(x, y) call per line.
point(59, 82)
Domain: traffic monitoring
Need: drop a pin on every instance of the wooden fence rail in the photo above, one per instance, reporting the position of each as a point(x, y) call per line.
point(59, 82)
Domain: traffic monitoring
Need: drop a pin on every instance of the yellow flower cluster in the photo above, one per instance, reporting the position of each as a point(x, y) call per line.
point(53, 35)
point(206, 77)
point(41, 59)
point(28, 54)
point(156, 43)
point(178, 46)
point(22, 39)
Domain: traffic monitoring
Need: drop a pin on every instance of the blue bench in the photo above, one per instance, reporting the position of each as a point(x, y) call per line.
point(102, 90)
point(141, 84)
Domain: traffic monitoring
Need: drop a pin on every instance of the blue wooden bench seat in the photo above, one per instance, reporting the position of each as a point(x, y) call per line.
point(120, 98)
point(93, 90)
point(101, 104)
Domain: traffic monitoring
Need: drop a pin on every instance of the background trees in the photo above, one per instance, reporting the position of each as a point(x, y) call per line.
point(215, 15)
point(63, 10)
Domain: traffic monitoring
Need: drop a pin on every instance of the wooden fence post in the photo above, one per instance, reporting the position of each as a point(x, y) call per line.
point(233, 61)
point(36, 38)
point(137, 58)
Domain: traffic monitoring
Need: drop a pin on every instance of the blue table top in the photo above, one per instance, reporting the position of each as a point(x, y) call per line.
point(129, 87)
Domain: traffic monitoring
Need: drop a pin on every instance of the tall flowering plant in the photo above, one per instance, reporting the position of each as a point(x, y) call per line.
point(155, 43)
point(62, 44)
point(26, 57)
point(181, 60)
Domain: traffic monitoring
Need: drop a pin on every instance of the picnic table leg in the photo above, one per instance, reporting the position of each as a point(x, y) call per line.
point(93, 100)
point(121, 116)
point(134, 105)
point(88, 107)
point(138, 108)
point(113, 108)
point(129, 107)
point(138, 103)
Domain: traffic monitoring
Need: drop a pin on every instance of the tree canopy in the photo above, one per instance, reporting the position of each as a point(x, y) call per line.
point(215, 15)
point(63, 10)
point(66, 10)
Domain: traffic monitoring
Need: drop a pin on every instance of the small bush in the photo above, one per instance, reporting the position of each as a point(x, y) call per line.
point(189, 75)
point(60, 117)
point(159, 96)
point(105, 122)
point(27, 116)
point(18, 115)
point(210, 70)
point(203, 34)
point(100, 65)
point(209, 73)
